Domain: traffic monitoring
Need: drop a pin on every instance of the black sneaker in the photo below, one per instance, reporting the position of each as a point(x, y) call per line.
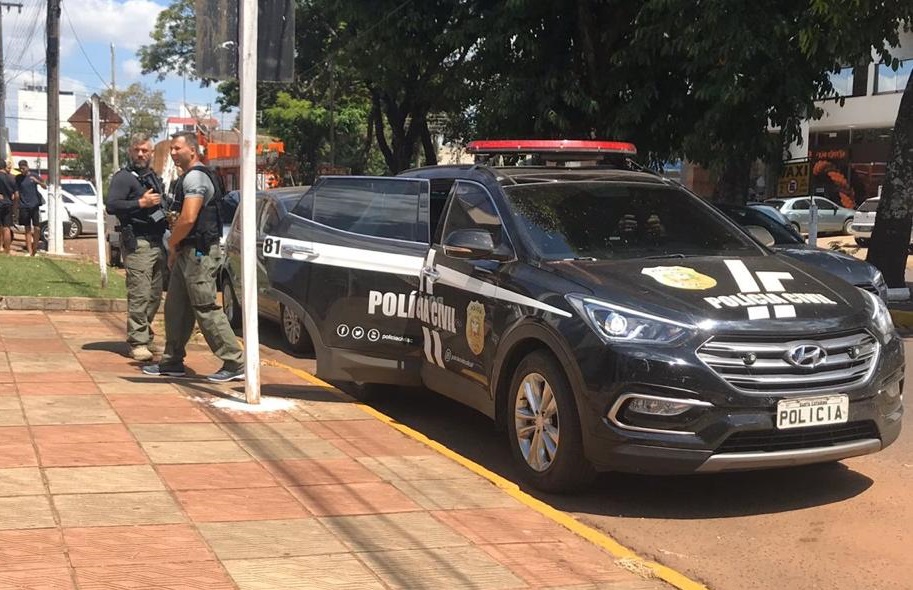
point(225, 374)
point(164, 370)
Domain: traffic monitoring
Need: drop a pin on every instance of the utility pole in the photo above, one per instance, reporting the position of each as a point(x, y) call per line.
point(4, 132)
point(55, 239)
point(332, 112)
point(114, 105)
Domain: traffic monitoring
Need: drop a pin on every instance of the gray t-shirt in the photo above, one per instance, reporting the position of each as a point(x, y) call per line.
point(197, 183)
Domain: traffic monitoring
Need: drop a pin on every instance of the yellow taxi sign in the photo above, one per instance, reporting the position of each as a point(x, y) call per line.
point(793, 181)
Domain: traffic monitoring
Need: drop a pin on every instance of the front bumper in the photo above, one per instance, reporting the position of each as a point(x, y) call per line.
point(861, 230)
point(730, 430)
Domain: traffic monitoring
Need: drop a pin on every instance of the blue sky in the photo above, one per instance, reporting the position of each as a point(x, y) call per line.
point(87, 30)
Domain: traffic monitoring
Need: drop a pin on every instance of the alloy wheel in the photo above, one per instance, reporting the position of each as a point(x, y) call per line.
point(291, 326)
point(536, 421)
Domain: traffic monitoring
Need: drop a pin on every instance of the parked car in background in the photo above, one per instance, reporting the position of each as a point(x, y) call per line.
point(80, 190)
point(43, 219)
point(787, 241)
point(831, 217)
point(864, 222)
point(81, 214)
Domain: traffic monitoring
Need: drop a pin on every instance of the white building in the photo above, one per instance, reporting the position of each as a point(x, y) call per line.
point(33, 113)
point(188, 118)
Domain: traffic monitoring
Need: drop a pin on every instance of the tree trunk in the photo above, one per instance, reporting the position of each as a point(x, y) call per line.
point(732, 182)
point(891, 234)
point(428, 144)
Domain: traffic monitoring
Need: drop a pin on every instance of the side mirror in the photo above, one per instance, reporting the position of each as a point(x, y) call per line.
point(470, 244)
point(760, 234)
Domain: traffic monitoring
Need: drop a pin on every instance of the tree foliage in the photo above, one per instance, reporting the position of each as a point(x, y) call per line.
point(142, 109)
point(174, 41)
point(81, 163)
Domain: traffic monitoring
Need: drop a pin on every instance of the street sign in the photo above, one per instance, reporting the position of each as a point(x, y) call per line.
point(794, 180)
point(82, 119)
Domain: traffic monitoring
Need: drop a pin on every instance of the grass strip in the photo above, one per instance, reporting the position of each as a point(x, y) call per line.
point(39, 276)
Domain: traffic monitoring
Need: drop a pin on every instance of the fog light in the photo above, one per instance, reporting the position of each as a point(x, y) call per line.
point(893, 390)
point(657, 407)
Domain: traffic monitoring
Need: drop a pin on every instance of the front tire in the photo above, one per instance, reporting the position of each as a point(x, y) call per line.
point(544, 426)
point(75, 229)
point(230, 306)
point(294, 334)
point(846, 227)
point(796, 226)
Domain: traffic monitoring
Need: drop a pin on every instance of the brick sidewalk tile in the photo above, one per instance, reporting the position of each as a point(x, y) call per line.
point(143, 482)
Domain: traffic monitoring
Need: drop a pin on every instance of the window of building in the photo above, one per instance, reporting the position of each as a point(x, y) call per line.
point(888, 80)
point(849, 81)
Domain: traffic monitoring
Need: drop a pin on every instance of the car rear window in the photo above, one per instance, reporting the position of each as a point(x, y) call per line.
point(613, 220)
point(869, 206)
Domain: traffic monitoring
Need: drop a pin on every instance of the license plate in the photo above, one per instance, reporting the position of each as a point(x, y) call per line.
point(812, 411)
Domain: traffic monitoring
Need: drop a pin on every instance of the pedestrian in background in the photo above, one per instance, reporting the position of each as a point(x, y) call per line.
point(135, 197)
point(30, 201)
point(194, 258)
point(8, 196)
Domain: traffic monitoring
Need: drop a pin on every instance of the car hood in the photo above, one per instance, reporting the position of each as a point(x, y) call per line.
point(750, 294)
point(846, 267)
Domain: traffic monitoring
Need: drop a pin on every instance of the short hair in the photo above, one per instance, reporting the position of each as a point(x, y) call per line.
point(189, 137)
point(23, 163)
point(138, 138)
point(3, 165)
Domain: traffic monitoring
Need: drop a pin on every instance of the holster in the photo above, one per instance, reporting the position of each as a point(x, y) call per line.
point(127, 238)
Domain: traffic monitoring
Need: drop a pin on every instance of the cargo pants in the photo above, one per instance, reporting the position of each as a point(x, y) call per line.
point(192, 298)
point(144, 268)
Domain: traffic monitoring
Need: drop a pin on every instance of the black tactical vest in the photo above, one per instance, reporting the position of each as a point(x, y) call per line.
point(208, 227)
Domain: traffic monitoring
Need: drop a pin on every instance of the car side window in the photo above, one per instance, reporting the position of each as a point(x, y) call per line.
point(304, 208)
point(801, 205)
point(384, 208)
point(825, 204)
point(471, 207)
point(267, 218)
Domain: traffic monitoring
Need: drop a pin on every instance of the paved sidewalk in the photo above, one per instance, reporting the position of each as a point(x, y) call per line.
point(110, 479)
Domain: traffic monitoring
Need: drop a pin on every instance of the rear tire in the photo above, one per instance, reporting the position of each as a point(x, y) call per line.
point(796, 226)
point(230, 306)
point(846, 227)
point(294, 334)
point(540, 406)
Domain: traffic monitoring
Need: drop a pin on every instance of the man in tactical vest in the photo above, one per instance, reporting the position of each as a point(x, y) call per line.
point(194, 258)
point(135, 197)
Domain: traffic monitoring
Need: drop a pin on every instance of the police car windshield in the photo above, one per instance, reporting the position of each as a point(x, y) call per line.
point(599, 220)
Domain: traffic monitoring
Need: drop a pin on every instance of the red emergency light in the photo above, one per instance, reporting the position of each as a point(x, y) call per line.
point(550, 146)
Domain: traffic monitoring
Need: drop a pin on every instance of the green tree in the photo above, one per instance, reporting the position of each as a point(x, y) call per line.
point(174, 41)
point(80, 160)
point(142, 109)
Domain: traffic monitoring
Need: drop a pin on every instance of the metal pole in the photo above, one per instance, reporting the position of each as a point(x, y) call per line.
point(247, 52)
point(114, 105)
point(4, 132)
point(100, 202)
point(813, 224)
point(55, 227)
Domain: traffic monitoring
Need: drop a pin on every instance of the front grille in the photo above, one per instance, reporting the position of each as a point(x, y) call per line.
point(766, 441)
point(758, 365)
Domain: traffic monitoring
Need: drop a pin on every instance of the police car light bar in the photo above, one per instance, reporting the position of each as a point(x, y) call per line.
point(550, 146)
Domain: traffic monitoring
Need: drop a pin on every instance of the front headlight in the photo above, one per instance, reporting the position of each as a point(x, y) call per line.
point(614, 324)
point(880, 316)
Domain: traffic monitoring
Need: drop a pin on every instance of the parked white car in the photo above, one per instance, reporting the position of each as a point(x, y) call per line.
point(81, 190)
point(81, 214)
point(864, 221)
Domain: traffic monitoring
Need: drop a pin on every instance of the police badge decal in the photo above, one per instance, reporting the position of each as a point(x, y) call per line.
point(475, 327)
point(680, 277)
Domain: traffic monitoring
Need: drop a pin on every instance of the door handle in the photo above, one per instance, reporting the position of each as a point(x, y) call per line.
point(299, 251)
point(431, 274)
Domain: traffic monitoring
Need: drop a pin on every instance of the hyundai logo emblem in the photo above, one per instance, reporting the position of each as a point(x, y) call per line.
point(806, 356)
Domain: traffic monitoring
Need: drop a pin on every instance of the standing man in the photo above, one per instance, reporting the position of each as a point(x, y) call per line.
point(30, 202)
point(8, 196)
point(135, 197)
point(194, 259)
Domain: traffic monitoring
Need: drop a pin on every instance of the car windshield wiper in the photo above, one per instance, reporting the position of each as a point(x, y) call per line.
point(672, 255)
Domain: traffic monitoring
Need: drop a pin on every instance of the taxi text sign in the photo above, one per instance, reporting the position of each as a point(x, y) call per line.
point(793, 181)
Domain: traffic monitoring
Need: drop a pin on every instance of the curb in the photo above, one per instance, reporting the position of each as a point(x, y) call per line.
point(9, 302)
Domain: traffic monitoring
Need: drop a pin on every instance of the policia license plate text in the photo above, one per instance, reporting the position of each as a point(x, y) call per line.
point(812, 411)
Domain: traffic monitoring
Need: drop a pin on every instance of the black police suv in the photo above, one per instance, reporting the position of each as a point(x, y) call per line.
point(607, 318)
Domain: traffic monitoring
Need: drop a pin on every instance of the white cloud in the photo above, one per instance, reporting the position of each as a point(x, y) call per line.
point(125, 23)
point(131, 69)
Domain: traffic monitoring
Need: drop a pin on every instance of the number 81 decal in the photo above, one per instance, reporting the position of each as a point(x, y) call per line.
point(272, 247)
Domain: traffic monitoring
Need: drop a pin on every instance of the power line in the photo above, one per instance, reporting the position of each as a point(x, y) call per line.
point(79, 43)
